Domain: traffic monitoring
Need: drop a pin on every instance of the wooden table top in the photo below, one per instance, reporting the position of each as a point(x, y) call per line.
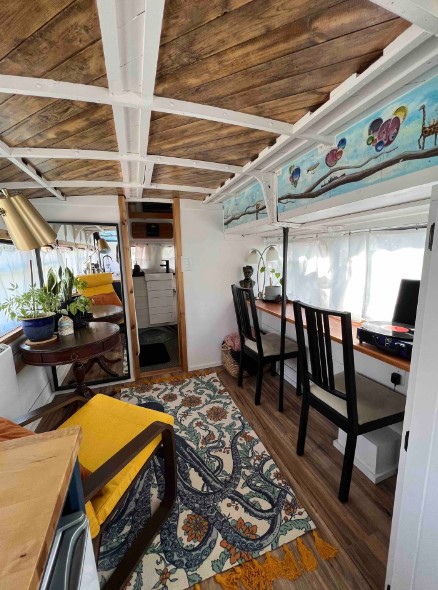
point(35, 473)
point(106, 313)
point(274, 309)
point(85, 343)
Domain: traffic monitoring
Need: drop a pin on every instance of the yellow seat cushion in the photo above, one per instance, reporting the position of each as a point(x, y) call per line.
point(100, 284)
point(107, 426)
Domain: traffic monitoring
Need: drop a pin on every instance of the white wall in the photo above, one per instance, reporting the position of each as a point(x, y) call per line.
point(216, 262)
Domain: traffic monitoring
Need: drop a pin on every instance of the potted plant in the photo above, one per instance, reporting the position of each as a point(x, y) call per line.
point(35, 308)
point(273, 290)
point(66, 286)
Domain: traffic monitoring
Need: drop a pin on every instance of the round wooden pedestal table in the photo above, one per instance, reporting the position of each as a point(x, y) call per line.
point(107, 313)
point(86, 344)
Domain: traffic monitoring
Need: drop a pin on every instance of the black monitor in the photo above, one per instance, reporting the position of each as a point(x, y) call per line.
point(405, 310)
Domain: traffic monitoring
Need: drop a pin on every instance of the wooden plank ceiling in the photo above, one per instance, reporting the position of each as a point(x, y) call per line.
point(273, 58)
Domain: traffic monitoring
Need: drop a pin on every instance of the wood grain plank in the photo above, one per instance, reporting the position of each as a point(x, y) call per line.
point(182, 16)
point(188, 176)
point(251, 20)
point(31, 503)
point(93, 115)
point(149, 193)
point(80, 169)
point(20, 20)
point(357, 44)
point(321, 23)
point(63, 36)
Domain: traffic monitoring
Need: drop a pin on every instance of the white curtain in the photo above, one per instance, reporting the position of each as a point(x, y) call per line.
point(150, 256)
point(359, 272)
point(14, 269)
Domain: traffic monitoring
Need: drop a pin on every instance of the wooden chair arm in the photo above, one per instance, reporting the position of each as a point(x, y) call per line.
point(95, 482)
point(59, 402)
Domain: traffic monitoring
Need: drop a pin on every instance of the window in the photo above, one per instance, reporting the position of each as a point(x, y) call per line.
point(360, 272)
point(14, 268)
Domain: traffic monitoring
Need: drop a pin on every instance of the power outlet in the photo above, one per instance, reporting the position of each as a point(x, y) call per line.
point(396, 378)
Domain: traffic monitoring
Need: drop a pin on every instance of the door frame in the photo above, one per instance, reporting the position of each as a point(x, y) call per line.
point(412, 563)
point(127, 272)
point(179, 276)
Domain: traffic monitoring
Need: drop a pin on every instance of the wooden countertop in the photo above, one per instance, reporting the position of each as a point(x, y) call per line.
point(35, 473)
point(274, 309)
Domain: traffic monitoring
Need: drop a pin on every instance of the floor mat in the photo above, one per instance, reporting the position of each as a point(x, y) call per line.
point(153, 354)
point(233, 503)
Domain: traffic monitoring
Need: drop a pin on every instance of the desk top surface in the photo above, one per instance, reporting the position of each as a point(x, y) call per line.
point(35, 473)
point(274, 309)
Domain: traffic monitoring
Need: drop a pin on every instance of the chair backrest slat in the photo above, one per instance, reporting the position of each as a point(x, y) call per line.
point(328, 347)
point(319, 369)
point(248, 325)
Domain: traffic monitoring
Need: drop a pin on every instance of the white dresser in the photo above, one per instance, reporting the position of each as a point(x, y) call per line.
point(155, 299)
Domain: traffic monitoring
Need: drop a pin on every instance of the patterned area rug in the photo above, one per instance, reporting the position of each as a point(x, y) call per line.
point(233, 503)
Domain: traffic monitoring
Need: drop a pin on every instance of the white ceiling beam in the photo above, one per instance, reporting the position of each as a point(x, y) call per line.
point(107, 12)
point(49, 184)
point(203, 111)
point(406, 58)
point(87, 93)
point(40, 181)
point(152, 25)
point(423, 13)
point(71, 154)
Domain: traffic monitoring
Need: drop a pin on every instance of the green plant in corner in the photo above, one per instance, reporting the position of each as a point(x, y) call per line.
point(66, 286)
point(33, 303)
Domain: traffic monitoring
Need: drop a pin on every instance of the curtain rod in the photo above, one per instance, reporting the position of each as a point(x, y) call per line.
point(333, 234)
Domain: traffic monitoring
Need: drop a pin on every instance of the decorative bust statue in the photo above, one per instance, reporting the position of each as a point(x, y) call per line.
point(247, 282)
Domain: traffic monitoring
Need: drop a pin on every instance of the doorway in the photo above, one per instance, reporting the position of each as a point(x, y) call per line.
point(155, 286)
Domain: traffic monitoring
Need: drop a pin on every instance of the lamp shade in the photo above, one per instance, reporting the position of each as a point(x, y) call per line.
point(103, 246)
point(26, 227)
point(253, 257)
point(272, 255)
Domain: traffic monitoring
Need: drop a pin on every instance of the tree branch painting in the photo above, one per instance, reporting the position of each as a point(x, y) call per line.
point(340, 181)
point(400, 138)
point(361, 174)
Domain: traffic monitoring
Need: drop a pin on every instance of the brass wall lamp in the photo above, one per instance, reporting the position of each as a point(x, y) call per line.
point(26, 227)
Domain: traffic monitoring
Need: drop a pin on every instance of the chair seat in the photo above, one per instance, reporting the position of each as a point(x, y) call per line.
point(374, 401)
point(107, 425)
point(271, 345)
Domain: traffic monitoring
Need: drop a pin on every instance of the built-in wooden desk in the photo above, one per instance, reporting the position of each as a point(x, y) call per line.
point(274, 309)
point(35, 474)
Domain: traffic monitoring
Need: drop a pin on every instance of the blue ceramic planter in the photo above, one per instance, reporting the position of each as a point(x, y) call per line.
point(37, 329)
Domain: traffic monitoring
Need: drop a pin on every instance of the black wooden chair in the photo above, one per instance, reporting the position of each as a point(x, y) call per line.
point(262, 348)
point(355, 403)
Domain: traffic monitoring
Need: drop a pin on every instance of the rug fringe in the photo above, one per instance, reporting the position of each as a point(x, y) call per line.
point(256, 575)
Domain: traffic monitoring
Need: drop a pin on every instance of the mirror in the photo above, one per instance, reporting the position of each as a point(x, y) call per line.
point(92, 252)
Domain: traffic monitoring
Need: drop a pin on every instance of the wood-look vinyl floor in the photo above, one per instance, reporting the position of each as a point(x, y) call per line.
point(360, 528)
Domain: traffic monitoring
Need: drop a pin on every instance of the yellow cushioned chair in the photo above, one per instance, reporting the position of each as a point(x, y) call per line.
point(118, 441)
point(100, 288)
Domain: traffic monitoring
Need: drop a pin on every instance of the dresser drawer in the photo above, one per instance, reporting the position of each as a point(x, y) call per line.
point(164, 301)
point(163, 318)
point(159, 285)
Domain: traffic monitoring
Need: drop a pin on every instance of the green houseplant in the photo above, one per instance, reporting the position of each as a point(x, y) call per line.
point(273, 290)
point(66, 286)
point(35, 309)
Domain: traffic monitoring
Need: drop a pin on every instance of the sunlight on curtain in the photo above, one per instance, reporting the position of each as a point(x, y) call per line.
point(360, 272)
point(14, 268)
point(392, 256)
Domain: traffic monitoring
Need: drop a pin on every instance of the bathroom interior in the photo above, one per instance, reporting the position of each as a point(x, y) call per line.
point(151, 235)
